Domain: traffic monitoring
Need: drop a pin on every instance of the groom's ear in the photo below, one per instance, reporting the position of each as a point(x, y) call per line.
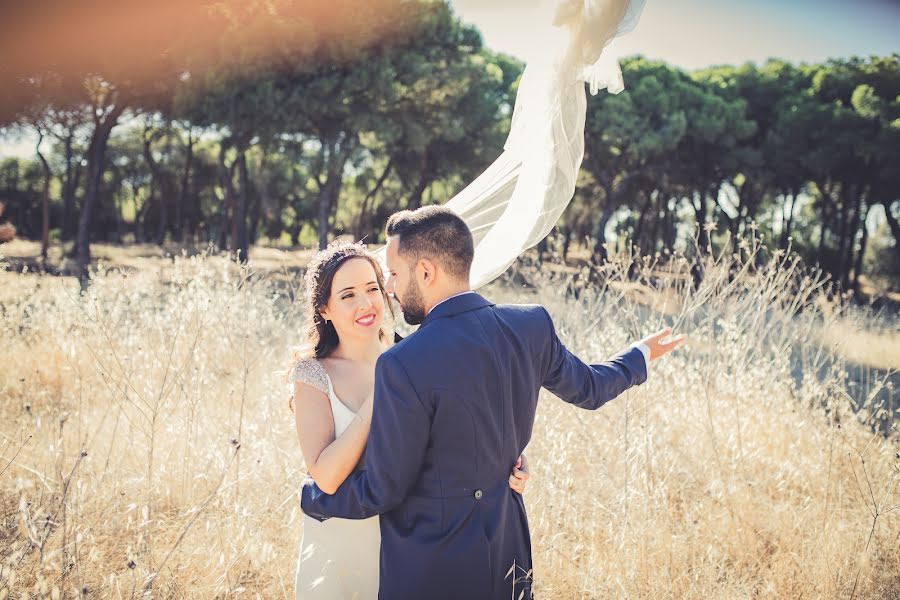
point(427, 270)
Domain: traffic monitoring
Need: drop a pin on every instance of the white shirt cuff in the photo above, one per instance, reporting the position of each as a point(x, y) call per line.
point(645, 350)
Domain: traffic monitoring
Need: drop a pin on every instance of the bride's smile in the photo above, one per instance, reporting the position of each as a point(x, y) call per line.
point(356, 306)
point(368, 320)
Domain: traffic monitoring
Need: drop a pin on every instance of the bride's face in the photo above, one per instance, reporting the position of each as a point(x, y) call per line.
point(356, 305)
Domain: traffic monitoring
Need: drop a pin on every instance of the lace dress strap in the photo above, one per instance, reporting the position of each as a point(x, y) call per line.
point(311, 372)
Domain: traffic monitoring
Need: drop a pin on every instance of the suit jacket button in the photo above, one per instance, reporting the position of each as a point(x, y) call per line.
point(478, 494)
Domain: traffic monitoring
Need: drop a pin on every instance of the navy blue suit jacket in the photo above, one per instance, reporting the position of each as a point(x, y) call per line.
point(454, 408)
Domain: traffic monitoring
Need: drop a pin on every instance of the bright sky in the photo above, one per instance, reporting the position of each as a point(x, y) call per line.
point(699, 33)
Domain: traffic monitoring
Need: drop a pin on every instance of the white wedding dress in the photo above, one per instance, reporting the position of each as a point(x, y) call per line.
point(338, 557)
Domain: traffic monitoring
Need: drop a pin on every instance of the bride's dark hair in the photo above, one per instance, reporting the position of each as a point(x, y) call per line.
point(321, 338)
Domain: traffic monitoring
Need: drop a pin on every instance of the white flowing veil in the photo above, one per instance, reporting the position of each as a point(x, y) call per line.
point(518, 199)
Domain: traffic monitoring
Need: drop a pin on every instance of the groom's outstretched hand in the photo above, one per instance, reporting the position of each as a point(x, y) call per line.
point(658, 347)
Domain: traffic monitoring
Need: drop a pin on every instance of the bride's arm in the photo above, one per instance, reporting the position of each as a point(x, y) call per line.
point(329, 460)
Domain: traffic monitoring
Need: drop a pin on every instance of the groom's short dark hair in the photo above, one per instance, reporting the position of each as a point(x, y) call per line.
point(436, 233)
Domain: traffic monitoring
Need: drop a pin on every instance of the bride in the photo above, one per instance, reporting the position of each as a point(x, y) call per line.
point(333, 380)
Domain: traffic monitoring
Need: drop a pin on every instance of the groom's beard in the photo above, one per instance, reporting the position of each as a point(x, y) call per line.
point(413, 304)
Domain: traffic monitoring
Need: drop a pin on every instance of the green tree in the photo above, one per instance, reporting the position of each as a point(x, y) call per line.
point(630, 136)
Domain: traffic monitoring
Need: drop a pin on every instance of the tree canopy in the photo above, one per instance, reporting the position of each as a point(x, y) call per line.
point(293, 121)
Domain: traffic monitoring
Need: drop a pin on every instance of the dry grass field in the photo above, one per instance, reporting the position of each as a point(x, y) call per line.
point(146, 448)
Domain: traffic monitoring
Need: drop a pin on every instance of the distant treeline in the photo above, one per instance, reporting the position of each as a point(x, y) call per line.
point(239, 121)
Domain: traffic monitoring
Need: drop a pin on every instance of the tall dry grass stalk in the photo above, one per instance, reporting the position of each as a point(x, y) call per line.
point(147, 449)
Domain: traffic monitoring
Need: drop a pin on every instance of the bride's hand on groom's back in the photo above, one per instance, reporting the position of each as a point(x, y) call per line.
point(519, 475)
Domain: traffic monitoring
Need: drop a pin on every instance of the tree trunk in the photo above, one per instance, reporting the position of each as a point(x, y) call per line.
point(96, 157)
point(163, 222)
point(68, 191)
point(614, 195)
point(600, 252)
point(613, 198)
point(226, 179)
point(788, 219)
point(336, 153)
point(659, 208)
point(255, 212)
point(140, 212)
point(568, 234)
point(852, 230)
point(155, 179)
point(719, 213)
point(163, 185)
point(825, 221)
point(362, 221)
point(741, 208)
point(415, 198)
point(184, 190)
point(327, 194)
point(264, 207)
point(645, 213)
point(893, 224)
point(670, 231)
point(845, 241)
point(860, 255)
point(241, 241)
point(322, 217)
point(294, 232)
point(45, 201)
point(700, 214)
point(118, 203)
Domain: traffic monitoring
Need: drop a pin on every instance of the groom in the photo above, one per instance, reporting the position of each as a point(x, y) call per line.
point(454, 408)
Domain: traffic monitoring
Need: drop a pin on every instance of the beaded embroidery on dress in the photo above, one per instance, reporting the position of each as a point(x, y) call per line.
point(310, 371)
